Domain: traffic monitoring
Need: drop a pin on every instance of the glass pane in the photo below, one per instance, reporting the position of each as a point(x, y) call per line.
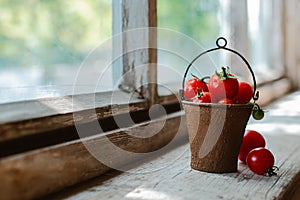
point(187, 28)
point(43, 43)
point(265, 34)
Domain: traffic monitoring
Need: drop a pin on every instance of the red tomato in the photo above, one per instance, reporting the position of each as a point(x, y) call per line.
point(190, 89)
point(251, 140)
point(261, 161)
point(223, 85)
point(203, 97)
point(245, 93)
point(225, 101)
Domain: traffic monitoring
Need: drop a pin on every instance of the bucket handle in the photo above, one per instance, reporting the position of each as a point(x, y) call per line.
point(223, 47)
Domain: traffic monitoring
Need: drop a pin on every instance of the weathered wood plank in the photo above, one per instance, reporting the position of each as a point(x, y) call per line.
point(176, 180)
point(27, 118)
point(31, 117)
point(296, 194)
point(26, 110)
point(152, 50)
point(40, 172)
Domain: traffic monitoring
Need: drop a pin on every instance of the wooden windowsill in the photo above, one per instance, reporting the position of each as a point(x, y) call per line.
point(170, 176)
point(46, 114)
point(26, 148)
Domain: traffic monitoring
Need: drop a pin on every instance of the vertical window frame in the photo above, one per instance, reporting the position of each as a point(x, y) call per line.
point(145, 21)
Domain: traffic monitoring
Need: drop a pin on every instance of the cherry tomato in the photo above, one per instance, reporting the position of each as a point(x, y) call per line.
point(251, 140)
point(260, 161)
point(203, 97)
point(190, 89)
point(223, 85)
point(245, 93)
point(225, 101)
point(258, 114)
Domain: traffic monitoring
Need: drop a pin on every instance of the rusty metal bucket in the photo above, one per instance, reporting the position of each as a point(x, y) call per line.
point(216, 130)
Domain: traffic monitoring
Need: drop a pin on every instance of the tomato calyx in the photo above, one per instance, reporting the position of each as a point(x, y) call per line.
point(202, 97)
point(199, 93)
point(271, 171)
point(225, 74)
point(223, 85)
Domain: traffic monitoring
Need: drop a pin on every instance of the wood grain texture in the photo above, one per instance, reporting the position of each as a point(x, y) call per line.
point(179, 181)
point(27, 118)
point(152, 50)
point(26, 110)
point(40, 172)
point(36, 116)
point(296, 194)
point(176, 179)
point(135, 44)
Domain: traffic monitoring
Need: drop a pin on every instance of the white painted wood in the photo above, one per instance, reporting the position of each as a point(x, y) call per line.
point(139, 61)
point(177, 180)
point(135, 43)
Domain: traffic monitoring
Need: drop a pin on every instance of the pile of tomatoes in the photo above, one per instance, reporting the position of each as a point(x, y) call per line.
point(253, 153)
point(223, 87)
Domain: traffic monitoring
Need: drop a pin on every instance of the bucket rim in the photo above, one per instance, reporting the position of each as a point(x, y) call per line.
point(217, 105)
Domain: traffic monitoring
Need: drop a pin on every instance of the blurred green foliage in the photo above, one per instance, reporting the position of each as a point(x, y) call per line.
point(196, 18)
point(47, 32)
